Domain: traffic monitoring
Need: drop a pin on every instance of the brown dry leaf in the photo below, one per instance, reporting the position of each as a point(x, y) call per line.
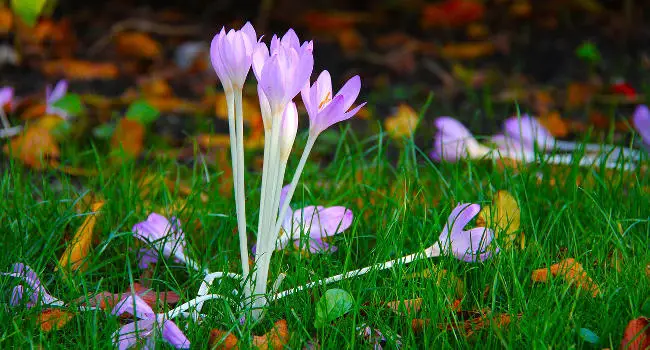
point(6, 20)
point(332, 22)
point(521, 9)
point(636, 335)
point(469, 322)
point(33, 112)
point(129, 136)
point(171, 104)
point(542, 102)
point(75, 253)
point(34, 147)
point(139, 45)
point(452, 13)
point(156, 87)
point(555, 124)
point(184, 189)
point(153, 297)
point(213, 140)
point(80, 70)
point(571, 271)
point(503, 216)
point(467, 50)
point(579, 94)
point(402, 123)
point(51, 319)
point(409, 305)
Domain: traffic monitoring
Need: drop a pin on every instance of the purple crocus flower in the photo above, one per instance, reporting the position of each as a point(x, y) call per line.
point(149, 323)
point(6, 96)
point(466, 245)
point(642, 123)
point(317, 222)
point(283, 70)
point(325, 109)
point(512, 148)
point(164, 236)
point(232, 54)
point(38, 294)
point(454, 142)
point(54, 95)
point(529, 132)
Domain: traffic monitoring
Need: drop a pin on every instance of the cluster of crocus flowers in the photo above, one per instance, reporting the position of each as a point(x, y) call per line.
point(282, 70)
point(526, 140)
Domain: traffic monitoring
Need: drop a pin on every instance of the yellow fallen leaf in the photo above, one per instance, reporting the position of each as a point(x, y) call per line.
point(51, 319)
point(77, 249)
point(403, 123)
point(503, 216)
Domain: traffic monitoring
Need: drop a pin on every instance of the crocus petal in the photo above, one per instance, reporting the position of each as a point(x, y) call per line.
point(26, 271)
point(6, 96)
point(642, 123)
point(529, 132)
point(330, 115)
point(289, 130)
point(467, 245)
point(57, 93)
point(318, 246)
point(453, 141)
point(128, 335)
point(351, 91)
point(134, 305)
point(147, 257)
point(249, 31)
point(330, 221)
point(273, 82)
point(17, 295)
point(290, 39)
point(323, 89)
point(162, 234)
point(174, 336)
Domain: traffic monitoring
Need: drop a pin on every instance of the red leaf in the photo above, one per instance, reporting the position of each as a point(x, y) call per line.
point(636, 335)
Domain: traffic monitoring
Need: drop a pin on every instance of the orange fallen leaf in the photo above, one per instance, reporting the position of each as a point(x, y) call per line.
point(468, 322)
point(275, 339)
point(80, 70)
point(139, 45)
point(156, 87)
point(77, 250)
point(6, 20)
point(34, 147)
point(51, 319)
point(555, 124)
point(467, 50)
point(403, 123)
point(350, 40)
point(452, 13)
point(636, 335)
point(129, 136)
point(571, 271)
point(331, 22)
point(213, 140)
point(171, 104)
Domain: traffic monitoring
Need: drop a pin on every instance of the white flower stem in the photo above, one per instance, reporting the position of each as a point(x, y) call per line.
point(292, 186)
point(205, 286)
point(596, 148)
point(192, 303)
point(3, 119)
point(240, 199)
point(430, 252)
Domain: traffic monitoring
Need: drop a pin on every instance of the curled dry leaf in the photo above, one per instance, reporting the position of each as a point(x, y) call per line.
point(274, 339)
point(51, 319)
point(636, 335)
point(34, 147)
point(571, 271)
point(75, 253)
point(80, 70)
point(504, 216)
point(403, 123)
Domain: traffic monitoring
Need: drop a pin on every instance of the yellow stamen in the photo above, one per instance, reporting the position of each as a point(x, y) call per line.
point(326, 100)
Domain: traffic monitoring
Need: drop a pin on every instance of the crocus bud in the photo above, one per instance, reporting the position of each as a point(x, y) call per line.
point(325, 109)
point(528, 131)
point(284, 70)
point(231, 54)
point(54, 95)
point(289, 130)
point(454, 142)
point(642, 123)
point(6, 96)
point(467, 245)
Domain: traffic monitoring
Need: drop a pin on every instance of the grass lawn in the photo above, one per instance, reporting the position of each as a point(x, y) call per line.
point(400, 200)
